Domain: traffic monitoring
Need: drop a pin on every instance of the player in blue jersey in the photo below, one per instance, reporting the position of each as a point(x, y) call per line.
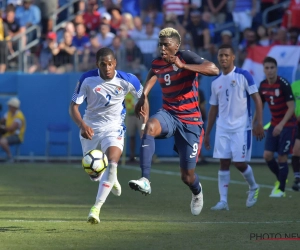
point(176, 72)
point(230, 101)
point(102, 126)
point(277, 92)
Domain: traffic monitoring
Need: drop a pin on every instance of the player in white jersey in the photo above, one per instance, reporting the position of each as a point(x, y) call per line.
point(230, 100)
point(102, 126)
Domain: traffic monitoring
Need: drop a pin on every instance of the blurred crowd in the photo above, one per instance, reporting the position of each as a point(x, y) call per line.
point(70, 38)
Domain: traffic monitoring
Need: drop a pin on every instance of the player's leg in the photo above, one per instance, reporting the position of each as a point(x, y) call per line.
point(222, 151)
point(160, 125)
point(241, 145)
point(188, 142)
point(4, 144)
point(271, 146)
point(112, 144)
point(130, 132)
point(296, 162)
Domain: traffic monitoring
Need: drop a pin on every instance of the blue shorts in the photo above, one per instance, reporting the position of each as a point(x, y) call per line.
point(283, 143)
point(188, 137)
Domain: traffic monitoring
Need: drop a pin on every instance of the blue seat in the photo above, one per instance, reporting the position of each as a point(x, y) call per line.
point(58, 134)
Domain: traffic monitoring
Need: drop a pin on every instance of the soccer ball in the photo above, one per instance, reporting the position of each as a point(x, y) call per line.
point(94, 162)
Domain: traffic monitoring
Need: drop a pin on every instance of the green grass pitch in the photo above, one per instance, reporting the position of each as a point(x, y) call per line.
point(44, 206)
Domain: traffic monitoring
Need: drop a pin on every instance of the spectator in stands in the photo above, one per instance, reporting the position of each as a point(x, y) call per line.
point(132, 58)
point(127, 20)
point(105, 37)
point(199, 32)
point(106, 5)
point(262, 36)
point(123, 33)
point(91, 16)
point(15, 3)
point(132, 7)
point(63, 61)
point(186, 41)
point(89, 59)
point(118, 48)
point(81, 41)
point(291, 16)
point(243, 12)
point(152, 14)
point(116, 17)
point(78, 19)
point(13, 125)
point(148, 44)
point(4, 37)
point(218, 9)
point(178, 7)
point(105, 19)
point(28, 14)
point(293, 35)
point(69, 27)
point(281, 37)
point(226, 37)
point(47, 8)
point(139, 29)
point(250, 39)
point(14, 28)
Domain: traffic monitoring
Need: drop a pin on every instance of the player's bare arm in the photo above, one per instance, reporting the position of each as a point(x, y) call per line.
point(211, 119)
point(206, 68)
point(143, 101)
point(258, 129)
point(85, 131)
point(291, 110)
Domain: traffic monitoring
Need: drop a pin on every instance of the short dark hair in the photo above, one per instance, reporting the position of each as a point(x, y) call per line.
point(269, 59)
point(227, 46)
point(104, 52)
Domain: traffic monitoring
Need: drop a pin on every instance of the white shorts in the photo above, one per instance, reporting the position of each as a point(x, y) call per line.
point(104, 140)
point(233, 145)
point(243, 19)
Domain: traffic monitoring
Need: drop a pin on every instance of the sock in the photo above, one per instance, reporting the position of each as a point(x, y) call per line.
point(283, 174)
point(273, 166)
point(223, 183)
point(249, 177)
point(195, 187)
point(106, 183)
point(146, 152)
point(296, 166)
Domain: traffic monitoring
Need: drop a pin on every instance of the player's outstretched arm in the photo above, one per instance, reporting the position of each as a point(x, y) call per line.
point(85, 131)
point(257, 123)
point(150, 81)
point(212, 115)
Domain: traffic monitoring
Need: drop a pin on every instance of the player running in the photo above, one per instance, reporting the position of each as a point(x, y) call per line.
point(277, 92)
point(102, 126)
point(230, 100)
point(176, 72)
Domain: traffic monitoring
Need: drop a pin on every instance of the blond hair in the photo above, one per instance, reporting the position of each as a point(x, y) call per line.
point(170, 33)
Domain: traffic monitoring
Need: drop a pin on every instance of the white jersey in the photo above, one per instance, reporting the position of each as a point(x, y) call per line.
point(105, 98)
point(231, 93)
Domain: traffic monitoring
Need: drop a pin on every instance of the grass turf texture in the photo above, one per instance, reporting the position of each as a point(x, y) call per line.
point(44, 206)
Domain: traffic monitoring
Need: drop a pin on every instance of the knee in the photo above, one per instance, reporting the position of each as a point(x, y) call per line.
point(151, 128)
point(282, 158)
point(268, 156)
point(187, 179)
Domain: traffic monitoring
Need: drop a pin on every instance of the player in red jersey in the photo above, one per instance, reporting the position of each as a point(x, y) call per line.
point(277, 92)
point(176, 72)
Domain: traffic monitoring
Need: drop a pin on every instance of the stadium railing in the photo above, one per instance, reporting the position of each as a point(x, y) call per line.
point(266, 12)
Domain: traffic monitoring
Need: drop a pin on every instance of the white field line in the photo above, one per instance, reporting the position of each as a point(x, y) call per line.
point(157, 171)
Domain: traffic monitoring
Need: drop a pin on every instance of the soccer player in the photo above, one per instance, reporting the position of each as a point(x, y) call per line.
point(176, 72)
point(277, 92)
point(102, 126)
point(296, 148)
point(230, 100)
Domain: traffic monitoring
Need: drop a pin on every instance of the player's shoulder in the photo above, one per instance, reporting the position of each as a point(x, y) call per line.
point(217, 78)
point(89, 74)
point(283, 81)
point(243, 72)
point(129, 77)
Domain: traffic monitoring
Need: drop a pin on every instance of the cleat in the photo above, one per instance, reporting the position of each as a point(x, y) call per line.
point(296, 185)
point(197, 202)
point(252, 197)
point(93, 217)
point(142, 185)
point(221, 205)
point(116, 190)
point(275, 188)
point(277, 194)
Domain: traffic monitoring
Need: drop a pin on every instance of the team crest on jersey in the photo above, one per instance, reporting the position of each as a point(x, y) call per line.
point(233, 83)
point(175, 68)
point(118, 90)
point(277, 92)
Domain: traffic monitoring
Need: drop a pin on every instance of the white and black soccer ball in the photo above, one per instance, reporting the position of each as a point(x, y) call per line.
point(94, 162)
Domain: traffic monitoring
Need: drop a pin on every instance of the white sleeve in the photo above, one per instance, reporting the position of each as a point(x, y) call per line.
point(213, 100)
point(250, 85)
point(79, 93)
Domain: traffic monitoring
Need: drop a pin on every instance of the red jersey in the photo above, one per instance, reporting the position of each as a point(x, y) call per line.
point(291, 16)
point(277, 95)
point(180, 87)
point(92, 21)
